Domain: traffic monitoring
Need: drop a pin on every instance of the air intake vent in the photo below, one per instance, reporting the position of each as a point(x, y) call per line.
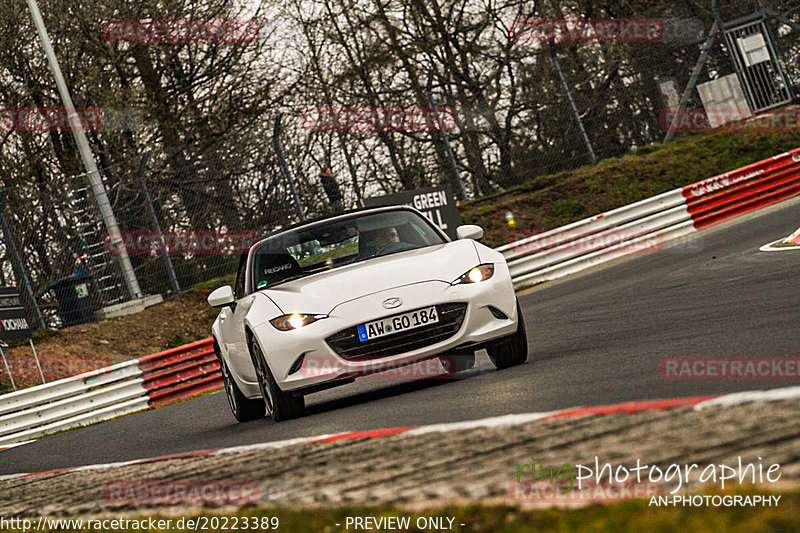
point(297, 364)
point(497, 313)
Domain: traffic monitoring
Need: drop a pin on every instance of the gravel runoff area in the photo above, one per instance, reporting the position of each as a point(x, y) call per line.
point(436, 468)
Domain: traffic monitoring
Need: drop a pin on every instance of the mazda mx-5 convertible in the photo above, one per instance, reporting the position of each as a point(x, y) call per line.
point(324, 302)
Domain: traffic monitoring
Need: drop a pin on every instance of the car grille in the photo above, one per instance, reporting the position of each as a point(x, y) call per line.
point(346, 344)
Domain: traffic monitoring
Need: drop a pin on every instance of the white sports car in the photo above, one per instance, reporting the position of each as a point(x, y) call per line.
point(320, 303)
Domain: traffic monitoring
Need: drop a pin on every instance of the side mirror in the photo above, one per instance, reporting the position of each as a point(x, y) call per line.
point(221, 297)
point(469, 231)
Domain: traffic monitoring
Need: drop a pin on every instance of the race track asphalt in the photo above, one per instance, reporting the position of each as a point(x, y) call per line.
point(595, 338)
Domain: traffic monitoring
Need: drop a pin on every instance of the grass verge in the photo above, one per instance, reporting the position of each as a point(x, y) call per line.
point(553, 200)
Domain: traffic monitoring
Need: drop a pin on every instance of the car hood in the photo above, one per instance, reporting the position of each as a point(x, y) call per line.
point(320, 293)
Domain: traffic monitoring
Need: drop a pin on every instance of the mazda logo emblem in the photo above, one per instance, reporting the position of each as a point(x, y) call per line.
point(391, 303)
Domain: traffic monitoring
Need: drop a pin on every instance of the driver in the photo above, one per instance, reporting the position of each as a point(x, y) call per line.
point(386, 237)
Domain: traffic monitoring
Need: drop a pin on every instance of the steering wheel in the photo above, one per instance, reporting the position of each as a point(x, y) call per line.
point(393, 247)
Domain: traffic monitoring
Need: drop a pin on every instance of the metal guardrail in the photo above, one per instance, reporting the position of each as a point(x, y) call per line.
point(109, 392)
point(649, 223)
point(193, 369)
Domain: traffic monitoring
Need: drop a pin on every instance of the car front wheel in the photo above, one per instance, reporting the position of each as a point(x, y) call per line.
point(277, 404)
point(243, 409)
point(511, 350)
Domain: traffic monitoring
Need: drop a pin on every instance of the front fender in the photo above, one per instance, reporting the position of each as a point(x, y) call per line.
point(216, 334)
point(488, 255)
point(263, 309)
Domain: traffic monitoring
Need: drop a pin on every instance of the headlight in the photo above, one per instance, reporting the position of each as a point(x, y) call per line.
point(294, 321)
point(476, 274)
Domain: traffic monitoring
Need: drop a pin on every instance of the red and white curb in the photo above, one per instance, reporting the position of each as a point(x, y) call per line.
point(792, 242)
point(629, 408)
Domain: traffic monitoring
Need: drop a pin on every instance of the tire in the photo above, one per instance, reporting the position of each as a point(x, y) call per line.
point(243, 409)
point(278, 405)
point(457, 362)
point(511, 350)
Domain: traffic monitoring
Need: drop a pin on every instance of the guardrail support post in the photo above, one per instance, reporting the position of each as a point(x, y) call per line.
point(5, 364)
point(36, 358)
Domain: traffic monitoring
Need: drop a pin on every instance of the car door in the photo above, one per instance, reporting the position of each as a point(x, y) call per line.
point(232, 326)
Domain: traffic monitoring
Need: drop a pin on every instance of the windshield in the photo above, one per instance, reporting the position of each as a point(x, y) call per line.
point(305, 251)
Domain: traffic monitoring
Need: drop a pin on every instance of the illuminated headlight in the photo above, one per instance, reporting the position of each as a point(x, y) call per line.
point(294, 321)
point(476, 274)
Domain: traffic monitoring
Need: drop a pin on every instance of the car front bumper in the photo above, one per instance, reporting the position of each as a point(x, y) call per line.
point(321, 365)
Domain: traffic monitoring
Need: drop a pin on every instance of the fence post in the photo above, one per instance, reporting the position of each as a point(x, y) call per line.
point(95, 177)
point(572, 106)
point(173, 280)
point(276, 143)
point(695, 72)
point(462, 195)
point(17, 261)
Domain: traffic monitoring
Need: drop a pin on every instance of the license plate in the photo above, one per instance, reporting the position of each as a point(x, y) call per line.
point(397, 323)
